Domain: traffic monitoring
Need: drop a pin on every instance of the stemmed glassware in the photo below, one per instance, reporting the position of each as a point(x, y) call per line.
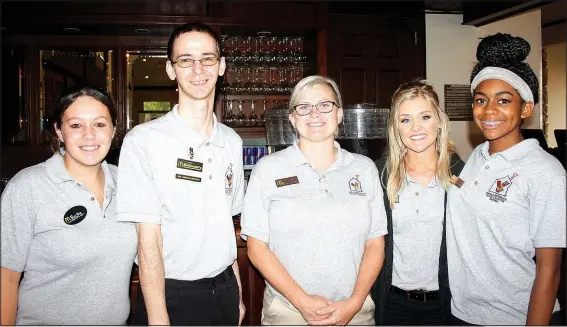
point(252, 119)
point(229, 116)
point(259, 65)
point(262, 117)
point(241, 117)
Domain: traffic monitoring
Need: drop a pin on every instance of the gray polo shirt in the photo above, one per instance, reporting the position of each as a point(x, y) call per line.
point(170, 175)
point(76, 258)
point(511, 203)
point(315, 224)
point(417, 221)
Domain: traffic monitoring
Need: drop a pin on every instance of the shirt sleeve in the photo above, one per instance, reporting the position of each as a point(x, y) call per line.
point(547, 211)
point(238, 197)
point(17, 224)
point(136, 196)
point(379, 221)
point(255, 212)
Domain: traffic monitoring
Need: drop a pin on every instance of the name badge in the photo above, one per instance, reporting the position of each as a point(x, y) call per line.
point(287, 181)
point(75, 215)
point(188, 178)
point(190, 165)
point(456, 181)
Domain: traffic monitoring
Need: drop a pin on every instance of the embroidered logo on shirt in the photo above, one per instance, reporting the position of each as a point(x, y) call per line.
point(228, 180)
point(499, 188)
point(355, 187)
point(75, 215)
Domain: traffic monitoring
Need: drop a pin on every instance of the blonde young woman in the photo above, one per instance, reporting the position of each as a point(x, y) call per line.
point(314, 219)
point(413, 288)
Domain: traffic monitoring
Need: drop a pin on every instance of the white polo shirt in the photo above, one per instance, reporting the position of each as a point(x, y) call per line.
point(511, 203)
point(417, 221)
point(170, 175)
point(76, 259)
point(315, 224)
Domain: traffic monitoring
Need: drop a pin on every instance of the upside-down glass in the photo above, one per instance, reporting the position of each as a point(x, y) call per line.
point(229, 116)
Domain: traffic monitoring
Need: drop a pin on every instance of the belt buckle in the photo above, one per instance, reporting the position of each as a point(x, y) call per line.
point(422, 293)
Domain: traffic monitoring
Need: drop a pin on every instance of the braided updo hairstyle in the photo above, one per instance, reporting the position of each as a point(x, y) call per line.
point(508, 52)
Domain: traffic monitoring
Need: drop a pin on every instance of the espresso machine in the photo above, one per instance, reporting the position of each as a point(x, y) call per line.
point(364, 130)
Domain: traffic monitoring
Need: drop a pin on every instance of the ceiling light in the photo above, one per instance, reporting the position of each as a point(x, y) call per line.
point(142, 30)
point(144, 59)
point(71, 29)
point(146, 77)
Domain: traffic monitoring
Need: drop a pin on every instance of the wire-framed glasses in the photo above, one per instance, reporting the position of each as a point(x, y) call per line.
point(188, 62)
point(304, 109)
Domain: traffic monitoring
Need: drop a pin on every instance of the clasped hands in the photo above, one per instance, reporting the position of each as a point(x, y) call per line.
point(318, 310)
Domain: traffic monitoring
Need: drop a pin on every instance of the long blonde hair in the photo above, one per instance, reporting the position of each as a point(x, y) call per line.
point(395, 164)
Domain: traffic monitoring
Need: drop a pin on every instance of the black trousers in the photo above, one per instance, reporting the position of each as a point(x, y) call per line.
point(404, 311)
point(204, 302)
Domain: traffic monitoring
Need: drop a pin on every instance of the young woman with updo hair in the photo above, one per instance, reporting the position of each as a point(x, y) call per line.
point(506, 210)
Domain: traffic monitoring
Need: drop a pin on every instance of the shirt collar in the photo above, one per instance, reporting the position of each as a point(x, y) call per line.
point(514, 153)
point(432, 183)
point(195, 139)
point(344, 157)
point(57, 172)
point(56, 169)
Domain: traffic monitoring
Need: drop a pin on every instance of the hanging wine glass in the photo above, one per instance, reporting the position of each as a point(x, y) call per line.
point(259, 80)
point(241, 117)
point(247, 50)
point(239, 87)
point(225, 45)
point(262, 118)
point(229, 117)
point(262, 50)
point(237, 48)
point(252, 118)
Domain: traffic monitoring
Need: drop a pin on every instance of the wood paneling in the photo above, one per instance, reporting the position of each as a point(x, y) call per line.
point(347, 78)
point(253, 286)
point(370, 56)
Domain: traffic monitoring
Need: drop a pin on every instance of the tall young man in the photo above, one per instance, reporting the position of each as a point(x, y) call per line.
point(180, 179)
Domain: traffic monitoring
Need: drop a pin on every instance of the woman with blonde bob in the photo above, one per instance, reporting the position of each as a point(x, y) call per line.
point(314, 219)
point(413, 288)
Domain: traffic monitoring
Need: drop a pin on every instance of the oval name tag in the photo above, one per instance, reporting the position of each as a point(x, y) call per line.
point(75, 215)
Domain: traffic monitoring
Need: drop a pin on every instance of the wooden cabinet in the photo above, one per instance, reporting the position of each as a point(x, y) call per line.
point(253, 284)
point(370, 56)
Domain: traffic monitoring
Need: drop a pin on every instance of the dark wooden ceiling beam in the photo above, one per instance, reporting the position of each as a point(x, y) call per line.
point(479, 13)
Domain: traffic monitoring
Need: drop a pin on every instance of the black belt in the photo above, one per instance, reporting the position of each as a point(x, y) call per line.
point(416, 295)
point(221, 278)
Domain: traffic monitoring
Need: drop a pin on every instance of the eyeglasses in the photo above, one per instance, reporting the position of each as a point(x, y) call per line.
point(188, 62)
point(323, 107)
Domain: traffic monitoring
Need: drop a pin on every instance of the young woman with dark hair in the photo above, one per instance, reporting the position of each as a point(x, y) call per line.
point(59, 229)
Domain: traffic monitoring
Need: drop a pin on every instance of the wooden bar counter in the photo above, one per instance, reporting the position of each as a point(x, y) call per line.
point(252, 284)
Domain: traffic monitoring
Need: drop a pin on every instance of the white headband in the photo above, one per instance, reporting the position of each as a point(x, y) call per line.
point(507, 76)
